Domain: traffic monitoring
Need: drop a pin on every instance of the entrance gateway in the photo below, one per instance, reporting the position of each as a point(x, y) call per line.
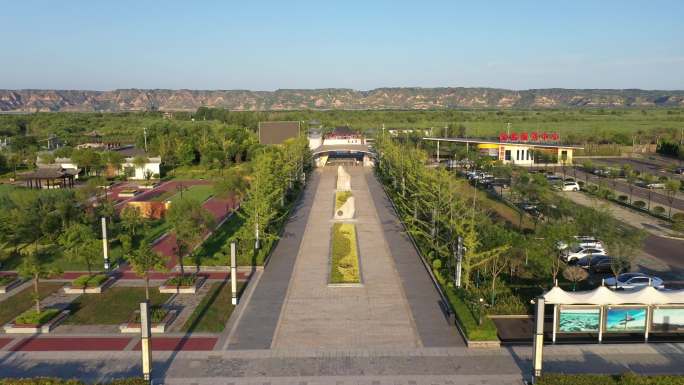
point(603, 311)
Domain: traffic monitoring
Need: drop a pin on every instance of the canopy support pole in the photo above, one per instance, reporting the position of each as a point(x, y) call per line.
point(555, 321)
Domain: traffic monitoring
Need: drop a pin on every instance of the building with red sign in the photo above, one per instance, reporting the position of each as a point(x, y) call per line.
point(519, 148)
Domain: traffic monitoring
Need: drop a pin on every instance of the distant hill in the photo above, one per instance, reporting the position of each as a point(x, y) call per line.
point(334, 98)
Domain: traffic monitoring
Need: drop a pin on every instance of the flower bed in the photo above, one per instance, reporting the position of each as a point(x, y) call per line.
point(160, 319)
point(31, 321)
point(341, 197)
point(344, 265)
point(182, 284)
point(89, 284)
point(8, 282)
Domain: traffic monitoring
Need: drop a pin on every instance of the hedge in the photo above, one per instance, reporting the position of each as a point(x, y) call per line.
point(89, 280)
point(598, 379)
point(59, 381)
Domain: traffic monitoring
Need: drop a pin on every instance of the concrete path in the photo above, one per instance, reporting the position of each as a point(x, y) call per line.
point(371, 316)
point(259, 318)
point(426, 304)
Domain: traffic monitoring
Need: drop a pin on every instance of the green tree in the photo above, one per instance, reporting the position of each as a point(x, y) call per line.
point(80, 244)
point(671, 188)
point(189, 221)
point(35, 266)
point(143, 261)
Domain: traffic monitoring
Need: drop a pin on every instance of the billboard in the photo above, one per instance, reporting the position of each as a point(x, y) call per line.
point(625, 319)
point(277, 132)
point(578, 319)
point(668, 319)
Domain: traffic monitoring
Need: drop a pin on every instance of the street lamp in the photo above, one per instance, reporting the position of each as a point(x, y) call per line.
point(480, 305)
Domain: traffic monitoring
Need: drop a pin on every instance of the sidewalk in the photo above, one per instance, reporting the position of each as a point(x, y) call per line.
point(645, 222)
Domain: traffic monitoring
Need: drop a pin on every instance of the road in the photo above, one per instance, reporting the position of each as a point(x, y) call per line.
point(656, 168)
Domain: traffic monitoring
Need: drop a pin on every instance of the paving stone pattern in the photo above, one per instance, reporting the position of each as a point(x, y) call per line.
point(315, 315)
point(259, 320)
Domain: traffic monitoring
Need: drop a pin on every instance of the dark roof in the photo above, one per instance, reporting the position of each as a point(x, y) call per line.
point(49, 173)
point(277, 132)
point(343, 131)
point(131, 151)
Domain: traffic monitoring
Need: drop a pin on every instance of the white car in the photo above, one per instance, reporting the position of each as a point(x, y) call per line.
point(570, 186)
point(583, 241)
point(581, 252)
point(629, 281)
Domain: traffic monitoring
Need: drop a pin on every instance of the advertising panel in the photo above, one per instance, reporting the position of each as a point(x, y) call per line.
point(668, 320)
point(625, 319)
point(578, 320)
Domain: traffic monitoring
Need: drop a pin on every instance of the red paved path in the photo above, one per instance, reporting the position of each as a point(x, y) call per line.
point(171, 343)
point(157, 275)
point(39, 344)
point(4, 341)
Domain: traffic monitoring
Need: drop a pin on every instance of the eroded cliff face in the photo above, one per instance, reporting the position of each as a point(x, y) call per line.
point(381, 98)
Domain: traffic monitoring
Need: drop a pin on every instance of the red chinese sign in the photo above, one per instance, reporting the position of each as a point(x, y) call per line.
point(529, 137)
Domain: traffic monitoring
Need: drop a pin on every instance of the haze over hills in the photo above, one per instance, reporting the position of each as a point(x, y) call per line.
point(333, 98)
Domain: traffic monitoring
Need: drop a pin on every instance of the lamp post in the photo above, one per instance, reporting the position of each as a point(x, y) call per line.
point(233, 274)
point(480, 304)
point(105, 246)
point(145, 340)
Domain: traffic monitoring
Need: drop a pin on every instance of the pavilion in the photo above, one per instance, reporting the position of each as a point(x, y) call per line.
point(50, 178)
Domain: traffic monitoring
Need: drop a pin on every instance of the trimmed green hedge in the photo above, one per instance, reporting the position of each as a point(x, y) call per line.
point(344, 266)
point(181, 280)
point(7, 279)
point(59, 381)
point(31, 317)
point(598, 379)
point(89, 281)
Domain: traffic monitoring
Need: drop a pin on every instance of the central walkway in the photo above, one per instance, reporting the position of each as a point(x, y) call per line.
point(396, 307)
point(317, 316)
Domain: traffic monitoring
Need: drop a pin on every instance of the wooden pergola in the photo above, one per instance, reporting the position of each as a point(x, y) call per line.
point(50, 178)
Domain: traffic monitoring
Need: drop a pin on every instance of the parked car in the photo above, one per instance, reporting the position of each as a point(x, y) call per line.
point(583, 241)
point(600, 172)
point(570, 186)
point(554, 178)
point(603, 264)
point(579, 252)
point(679, 170)
point(628, 281)
point(652, 186)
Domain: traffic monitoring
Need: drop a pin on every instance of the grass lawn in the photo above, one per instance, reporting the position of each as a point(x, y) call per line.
point(23, 301)
point(112, 307)
point(341, 197)
point(207, 252)
point(62, 263)
point(156, 229)
point(213, 312)
point(199, 193)
point(163, 196)
point(345, 260)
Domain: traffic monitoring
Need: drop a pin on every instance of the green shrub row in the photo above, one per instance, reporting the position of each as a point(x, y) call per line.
point(181, 280)
point(58, 381)
point(89, 280)
point(7, 279)
point(594, 379)
point(31, 317)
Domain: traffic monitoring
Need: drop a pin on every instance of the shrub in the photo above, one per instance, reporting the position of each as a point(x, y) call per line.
point(592, 188)
point(602, 379)
point(89, 281)
point(659, 210)
point(157, 314)
point(678, 222)
point(31, 317)
point(345, 261)
point(437, 264)
point(59, 381)
point(581, 183)
point(468, 320)
point(622, 198)
point(639, 204)
point(181, 280)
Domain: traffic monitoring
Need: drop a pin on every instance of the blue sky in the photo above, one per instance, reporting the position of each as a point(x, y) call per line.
point(266, 45)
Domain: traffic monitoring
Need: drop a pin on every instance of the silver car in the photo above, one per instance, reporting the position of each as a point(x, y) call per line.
point(629, 281)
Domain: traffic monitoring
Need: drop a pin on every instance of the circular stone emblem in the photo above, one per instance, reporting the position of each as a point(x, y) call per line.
point(339, 212)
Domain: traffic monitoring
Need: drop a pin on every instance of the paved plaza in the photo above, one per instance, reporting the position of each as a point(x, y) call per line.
point(291, 327)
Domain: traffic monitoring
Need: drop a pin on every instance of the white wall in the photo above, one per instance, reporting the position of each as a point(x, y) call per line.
point(153, 166)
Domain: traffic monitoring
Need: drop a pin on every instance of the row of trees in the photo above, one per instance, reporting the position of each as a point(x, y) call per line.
point(438, 216)
point(278, 172)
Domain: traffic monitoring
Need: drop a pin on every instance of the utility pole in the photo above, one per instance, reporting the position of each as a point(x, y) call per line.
point(459, 260)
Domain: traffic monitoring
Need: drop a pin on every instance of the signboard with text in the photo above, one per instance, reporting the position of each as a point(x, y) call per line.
point(526, 137)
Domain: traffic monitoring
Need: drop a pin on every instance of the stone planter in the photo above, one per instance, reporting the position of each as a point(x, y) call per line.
point(128, 193)
point(148, 186)
point(89, 290)
point(156, 327)
point(12, 328)
point(7, 288)
point(174, 289)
